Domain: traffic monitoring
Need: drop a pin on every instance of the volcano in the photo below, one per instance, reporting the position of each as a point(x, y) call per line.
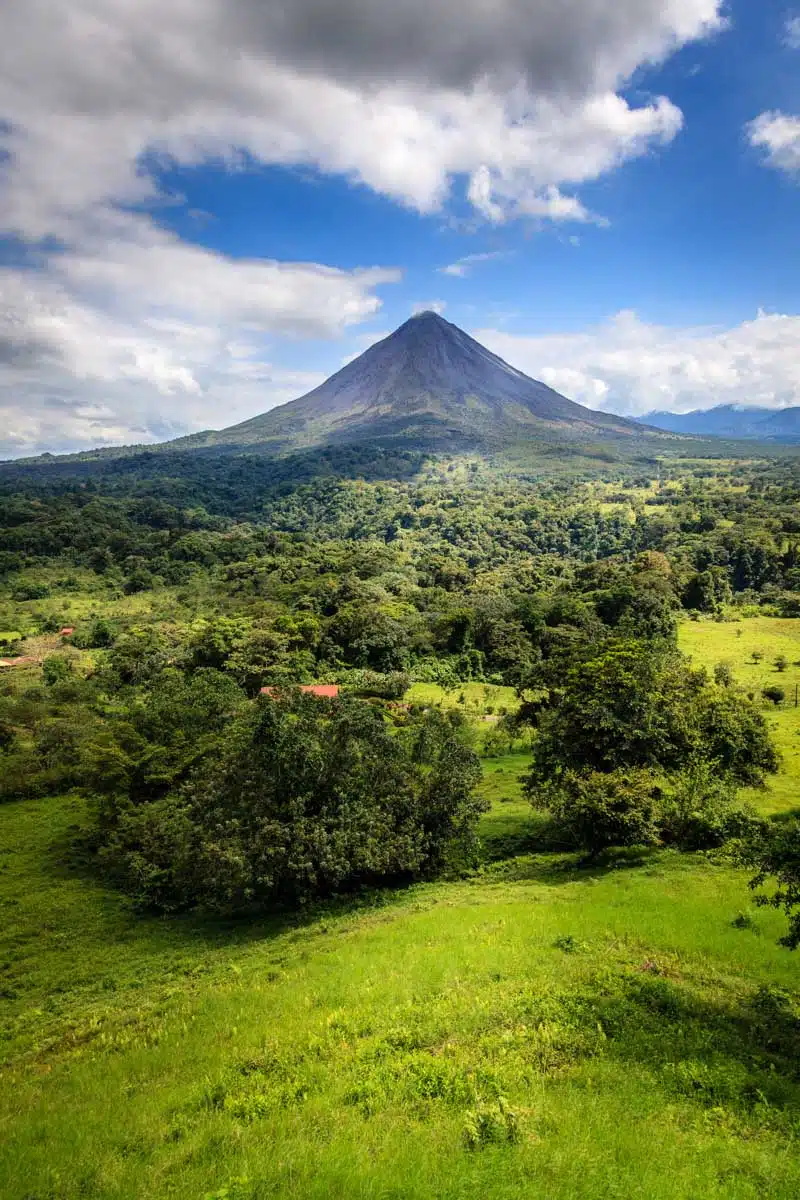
point(428, 381)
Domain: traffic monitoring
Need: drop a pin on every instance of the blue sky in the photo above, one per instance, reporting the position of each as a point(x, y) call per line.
point(207, 209)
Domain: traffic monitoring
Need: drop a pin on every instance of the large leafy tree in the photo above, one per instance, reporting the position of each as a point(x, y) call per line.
point(306, 797)
point(636, 704)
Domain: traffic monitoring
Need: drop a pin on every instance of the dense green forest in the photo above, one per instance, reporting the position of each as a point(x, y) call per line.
point(616, 634)
point(566, 590)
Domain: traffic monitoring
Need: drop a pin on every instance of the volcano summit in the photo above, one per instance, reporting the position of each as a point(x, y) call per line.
point(427, 381)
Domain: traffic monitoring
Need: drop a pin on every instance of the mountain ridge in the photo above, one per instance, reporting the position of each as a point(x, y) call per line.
point(732, 421)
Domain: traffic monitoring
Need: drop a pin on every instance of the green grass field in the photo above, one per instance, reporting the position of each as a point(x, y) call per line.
point(709, 642)
point(477, 697)
point(532, 1029)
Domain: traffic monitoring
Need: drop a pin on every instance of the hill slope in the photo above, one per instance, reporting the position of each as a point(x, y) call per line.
point(427, 379)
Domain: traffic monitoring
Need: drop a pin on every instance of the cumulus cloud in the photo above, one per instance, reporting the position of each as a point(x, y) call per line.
point(518, 103)
point(139, 344)
point(401, 96)
point(778, 135)
point(630, 367)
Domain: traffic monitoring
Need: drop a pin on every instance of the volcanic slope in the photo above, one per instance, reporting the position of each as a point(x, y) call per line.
point(427, 381)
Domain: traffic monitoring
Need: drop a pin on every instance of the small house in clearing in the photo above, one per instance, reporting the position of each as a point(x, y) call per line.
point(329, 691)
point(67, 631)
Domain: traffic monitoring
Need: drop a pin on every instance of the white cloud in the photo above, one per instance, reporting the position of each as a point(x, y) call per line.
point(521, 100)
point(462, 267)
point(150, 342)
point(402, 96)
point(437, 306)
point(778, 135)
point(792, 33)
point(630, 367)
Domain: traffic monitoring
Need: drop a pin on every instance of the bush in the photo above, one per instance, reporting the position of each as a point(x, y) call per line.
point(28, 590)
point(698, 809)
point(306, 797)
point(773, 693)
point(594, 810)
point(723, 674)
point(56, 668)
point(773, 850)
point(637, 705)
point(693, 809)
point(99, 635)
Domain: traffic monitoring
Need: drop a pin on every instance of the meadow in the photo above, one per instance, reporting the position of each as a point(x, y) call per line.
point(534, 1027)
point(709, 643)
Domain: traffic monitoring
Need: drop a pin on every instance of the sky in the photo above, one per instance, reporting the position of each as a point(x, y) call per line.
point(208, 206)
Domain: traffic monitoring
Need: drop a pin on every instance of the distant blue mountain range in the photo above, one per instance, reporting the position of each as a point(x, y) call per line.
point(731, 421)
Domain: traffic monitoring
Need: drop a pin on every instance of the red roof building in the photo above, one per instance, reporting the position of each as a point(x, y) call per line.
point(330, 691)
point(67, 631)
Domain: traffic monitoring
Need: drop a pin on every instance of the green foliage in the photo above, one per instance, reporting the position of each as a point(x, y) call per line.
point(774, 852)
point(56, 668)
point(708, 591)
point(698, 809)
point(304, 797)
point(139, 655)
point(490, 1123)
point(639, 705)
point(773, 693)
point(595, 810)
point(99, 634)
point(153, 743)
point(723, 674)
point(391, 686)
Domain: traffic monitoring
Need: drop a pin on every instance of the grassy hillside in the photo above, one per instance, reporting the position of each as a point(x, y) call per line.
point(534, 1029)
point(710, 642)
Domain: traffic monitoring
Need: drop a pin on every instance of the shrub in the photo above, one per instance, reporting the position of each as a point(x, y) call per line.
point(698, 809)
point(774, 853)
point(781, 662)
point(595, 810)
point(723, 674)
point(28, 590)
point(391, 685)
point(56, 668)
point(773, 693)
point(99, 635)
point(633, 705)
point(488, 1124)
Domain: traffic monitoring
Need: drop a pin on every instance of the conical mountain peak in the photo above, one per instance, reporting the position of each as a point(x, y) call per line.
point(429, 380)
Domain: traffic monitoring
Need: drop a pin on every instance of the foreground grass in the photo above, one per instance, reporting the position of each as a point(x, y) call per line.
point(532, 1030)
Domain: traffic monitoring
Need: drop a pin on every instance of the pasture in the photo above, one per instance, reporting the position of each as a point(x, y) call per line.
point(532, 1028)
point(709, 643)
